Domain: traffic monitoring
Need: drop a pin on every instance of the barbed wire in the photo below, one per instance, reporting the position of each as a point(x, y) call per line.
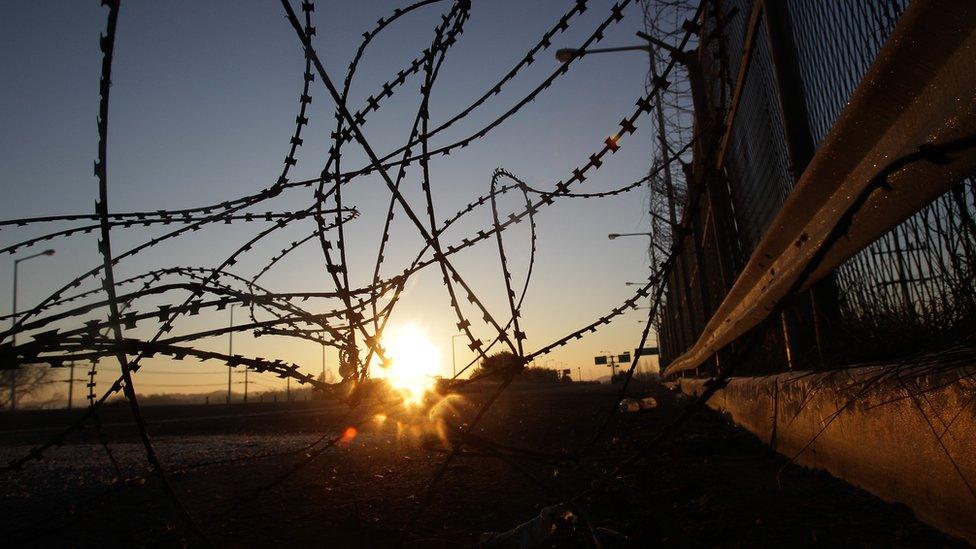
point(348, 318)
point(57, 346)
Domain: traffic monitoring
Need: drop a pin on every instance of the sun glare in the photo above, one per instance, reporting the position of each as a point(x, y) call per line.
point(413, 362)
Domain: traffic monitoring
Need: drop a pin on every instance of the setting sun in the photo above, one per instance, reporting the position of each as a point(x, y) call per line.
point(412, 362)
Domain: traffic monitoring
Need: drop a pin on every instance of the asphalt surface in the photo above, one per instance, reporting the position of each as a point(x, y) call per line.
point(252, 476)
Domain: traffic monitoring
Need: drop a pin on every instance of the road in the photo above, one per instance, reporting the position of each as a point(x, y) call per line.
point(713, 484)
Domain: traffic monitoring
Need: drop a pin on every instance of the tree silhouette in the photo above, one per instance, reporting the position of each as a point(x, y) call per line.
point(28, 379)
point(504, 363)
point(498, 364)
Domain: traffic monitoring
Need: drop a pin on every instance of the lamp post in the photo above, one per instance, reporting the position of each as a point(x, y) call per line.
point(685, 58)
point(71, 384)
point(245, 385)
point(13, 322)
point(566, 55)
point(614, 236)
point(453, 358)
point(230, 351)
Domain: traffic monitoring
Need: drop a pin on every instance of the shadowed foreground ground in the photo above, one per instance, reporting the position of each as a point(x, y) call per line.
point(711, 485)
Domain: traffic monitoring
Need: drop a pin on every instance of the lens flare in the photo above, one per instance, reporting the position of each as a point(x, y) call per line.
point(349, 434)
point(412, 362)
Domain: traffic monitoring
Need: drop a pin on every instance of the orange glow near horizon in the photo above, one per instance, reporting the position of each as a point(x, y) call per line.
point(413, 361)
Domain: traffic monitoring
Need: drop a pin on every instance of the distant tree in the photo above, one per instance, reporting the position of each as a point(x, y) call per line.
point(619, 377)
point(29, 379)
point(326, 377)
point(534, 373)
point(497, 365)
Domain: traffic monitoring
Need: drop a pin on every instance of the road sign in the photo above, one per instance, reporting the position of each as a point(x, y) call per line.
point(599, 360)
point(624, 357)
point(647, 351)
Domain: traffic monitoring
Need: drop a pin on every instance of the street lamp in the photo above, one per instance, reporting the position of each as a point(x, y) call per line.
point(566, 55)
point(13, 323)
point(614, 236)
point(685, 58)
point(453, 358)
point(230, 351)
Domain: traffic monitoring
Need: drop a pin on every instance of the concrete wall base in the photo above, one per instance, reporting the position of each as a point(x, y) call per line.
point(904, 433)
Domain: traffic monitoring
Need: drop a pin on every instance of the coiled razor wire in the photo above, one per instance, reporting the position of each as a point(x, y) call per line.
point(355, 326)
point(216, 288)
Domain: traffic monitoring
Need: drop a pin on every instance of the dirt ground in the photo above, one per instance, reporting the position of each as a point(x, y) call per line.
point(710, 485)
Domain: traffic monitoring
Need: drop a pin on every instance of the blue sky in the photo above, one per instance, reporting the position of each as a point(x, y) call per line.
point(203, 103)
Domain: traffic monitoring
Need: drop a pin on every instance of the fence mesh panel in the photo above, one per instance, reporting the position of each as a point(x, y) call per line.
point(912, 288)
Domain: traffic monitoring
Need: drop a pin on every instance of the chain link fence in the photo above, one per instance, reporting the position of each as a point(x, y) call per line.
point(911, 289)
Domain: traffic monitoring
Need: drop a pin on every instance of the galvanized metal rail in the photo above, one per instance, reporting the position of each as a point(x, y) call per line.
point(920, 91)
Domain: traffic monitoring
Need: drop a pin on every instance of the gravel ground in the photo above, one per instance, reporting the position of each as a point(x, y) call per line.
point(711, 485)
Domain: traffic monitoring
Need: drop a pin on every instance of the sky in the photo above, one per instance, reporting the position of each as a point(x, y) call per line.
point(203, 104)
